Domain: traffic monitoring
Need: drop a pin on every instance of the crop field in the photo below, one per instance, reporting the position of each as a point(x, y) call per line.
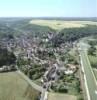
point(93, 59)
point(58, 25)
point(57, 96)
point(13, 87)
point(95, 73)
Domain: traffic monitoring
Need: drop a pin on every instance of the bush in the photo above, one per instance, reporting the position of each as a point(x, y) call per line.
point(63, 58)
point(6, 57)
point(80, 97)
point(59, 88)
point(92, 50)
point(63, 89)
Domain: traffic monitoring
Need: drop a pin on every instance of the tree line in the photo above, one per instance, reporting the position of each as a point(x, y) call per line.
point(73, 34)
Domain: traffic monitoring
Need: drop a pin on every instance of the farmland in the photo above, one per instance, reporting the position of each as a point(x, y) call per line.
point(93, 60)
point(13, 87)
point(93, 57)
point(95, 73)
point(57, 96)
point(59, 25)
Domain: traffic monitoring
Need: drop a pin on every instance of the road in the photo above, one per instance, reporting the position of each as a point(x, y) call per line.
point(44, 92)
point(89, 78)
point(44, 95)
point(35, 86)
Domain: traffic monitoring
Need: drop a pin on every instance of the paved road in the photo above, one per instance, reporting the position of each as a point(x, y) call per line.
point(44, 95)
point(44, 92)
point(37, 87)
point(90, 81)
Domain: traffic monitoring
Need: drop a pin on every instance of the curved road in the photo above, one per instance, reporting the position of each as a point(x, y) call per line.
point(35, 86)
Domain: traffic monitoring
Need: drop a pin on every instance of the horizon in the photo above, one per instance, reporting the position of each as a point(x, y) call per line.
point(43, 17)
point(48, 8)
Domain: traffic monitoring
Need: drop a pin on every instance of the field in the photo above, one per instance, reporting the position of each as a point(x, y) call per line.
point(57, 96)
point(13, 87)
point(58, 25)
point(95, 73)
point(93, 59)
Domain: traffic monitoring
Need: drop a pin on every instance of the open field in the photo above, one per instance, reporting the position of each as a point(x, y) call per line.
point(95, 73)
point(57, 96)
point(58, 25)
point(93, 59)
point(14, 87)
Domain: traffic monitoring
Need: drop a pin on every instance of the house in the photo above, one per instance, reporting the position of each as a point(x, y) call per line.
point(72, 67)
point(1, 69)
point(68, 72)
point(8, 68)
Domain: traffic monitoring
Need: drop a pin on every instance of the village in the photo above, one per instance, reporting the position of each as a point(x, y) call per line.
point(33, 54)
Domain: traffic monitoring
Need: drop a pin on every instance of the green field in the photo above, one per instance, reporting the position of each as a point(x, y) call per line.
point(93, 60)
point(57, 96)
point(14, 87)
point(58, 25)
point(95, 73)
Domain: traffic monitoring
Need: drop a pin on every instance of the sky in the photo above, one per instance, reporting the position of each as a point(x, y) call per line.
point(48, 8)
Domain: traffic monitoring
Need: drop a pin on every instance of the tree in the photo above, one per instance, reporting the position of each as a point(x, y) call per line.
point(92, 42)
point(63, 58)
point(91, 50)
point(63, 89)
point(6, 57)
point(73, 34)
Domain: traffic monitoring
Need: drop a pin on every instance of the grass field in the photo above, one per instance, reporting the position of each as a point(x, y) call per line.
point(57, 96)
point(58, 25)
point(95, 73)
point(93, 59)
point(13, 87)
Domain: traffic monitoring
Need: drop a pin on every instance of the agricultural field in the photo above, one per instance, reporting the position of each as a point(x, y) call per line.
point(57, 96)
point(59, 25)
point(14, 87)
point(93, 57)
point(95, 73)
point(93, 60)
